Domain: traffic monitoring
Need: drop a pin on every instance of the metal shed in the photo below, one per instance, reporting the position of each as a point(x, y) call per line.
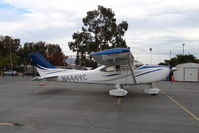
point(187, 72)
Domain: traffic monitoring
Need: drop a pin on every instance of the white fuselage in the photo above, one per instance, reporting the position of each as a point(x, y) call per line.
point(108, 75)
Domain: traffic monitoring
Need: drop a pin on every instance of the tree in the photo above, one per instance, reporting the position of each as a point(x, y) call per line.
point(24, 52)
point(9, 45)
point(179, 59)
point(99, 32)
point(52, 52)
point(9, 48)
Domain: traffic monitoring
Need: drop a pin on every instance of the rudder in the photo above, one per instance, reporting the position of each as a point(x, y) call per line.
point(39, 61)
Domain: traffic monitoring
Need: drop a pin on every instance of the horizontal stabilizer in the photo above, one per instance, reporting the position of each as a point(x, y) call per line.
point(44, 77)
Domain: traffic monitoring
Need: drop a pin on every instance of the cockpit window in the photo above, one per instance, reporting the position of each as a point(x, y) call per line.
point(109, 69)
point(116, 68)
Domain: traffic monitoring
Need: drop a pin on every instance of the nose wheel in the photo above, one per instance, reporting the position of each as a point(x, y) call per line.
point(118, 91)
point(153, 90)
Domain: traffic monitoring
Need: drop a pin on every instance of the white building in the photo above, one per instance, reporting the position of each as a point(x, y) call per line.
point(187, 72)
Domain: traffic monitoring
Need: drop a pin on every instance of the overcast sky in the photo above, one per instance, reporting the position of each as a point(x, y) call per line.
point(163, 25)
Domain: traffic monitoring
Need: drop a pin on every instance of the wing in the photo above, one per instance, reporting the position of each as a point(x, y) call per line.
point(44, 77)
point(115, 56)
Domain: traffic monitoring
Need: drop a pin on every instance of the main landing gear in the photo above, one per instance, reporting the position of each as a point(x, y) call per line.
point(153, 90)
point(118, 91)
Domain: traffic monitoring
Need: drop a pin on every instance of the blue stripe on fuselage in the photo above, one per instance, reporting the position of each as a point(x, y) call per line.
point(145, 67)
point(147, 72)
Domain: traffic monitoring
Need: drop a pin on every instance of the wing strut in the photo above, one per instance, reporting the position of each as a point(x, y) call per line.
point(131, 67)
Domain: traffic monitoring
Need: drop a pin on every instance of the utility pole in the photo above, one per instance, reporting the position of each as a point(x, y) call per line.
point(183, 48)
point(10, 54)
point(150, 56)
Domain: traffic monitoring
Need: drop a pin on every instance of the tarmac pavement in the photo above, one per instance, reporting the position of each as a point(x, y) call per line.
point(51, 107)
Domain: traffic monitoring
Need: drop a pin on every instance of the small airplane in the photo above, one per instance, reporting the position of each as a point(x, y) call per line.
point(117, 68)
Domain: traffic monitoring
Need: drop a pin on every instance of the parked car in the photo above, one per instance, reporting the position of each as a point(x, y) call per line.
point(10, 72)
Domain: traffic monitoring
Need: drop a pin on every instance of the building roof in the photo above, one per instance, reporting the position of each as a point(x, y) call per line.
point(191, 64)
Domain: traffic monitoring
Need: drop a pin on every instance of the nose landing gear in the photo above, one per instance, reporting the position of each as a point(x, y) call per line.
point(153, 90)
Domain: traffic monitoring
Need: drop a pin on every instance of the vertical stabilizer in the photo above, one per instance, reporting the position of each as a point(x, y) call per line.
point(39, 61)
point(43, 66)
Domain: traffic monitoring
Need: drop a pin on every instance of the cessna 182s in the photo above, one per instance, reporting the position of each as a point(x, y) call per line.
point(116, 68)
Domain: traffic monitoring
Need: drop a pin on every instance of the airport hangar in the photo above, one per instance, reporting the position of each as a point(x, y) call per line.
point(187, 72)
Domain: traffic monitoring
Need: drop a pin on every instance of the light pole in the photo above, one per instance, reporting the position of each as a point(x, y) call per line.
point(150, 56)
point(10, 54)
point(183, 48)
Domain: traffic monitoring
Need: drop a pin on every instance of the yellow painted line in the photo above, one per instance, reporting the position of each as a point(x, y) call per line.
point(181, 106)
point(6, 124)
point(119, 100)
point(14, 124)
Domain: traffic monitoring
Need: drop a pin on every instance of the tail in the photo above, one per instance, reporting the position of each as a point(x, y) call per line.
point(39, 61)
point(43, 66)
